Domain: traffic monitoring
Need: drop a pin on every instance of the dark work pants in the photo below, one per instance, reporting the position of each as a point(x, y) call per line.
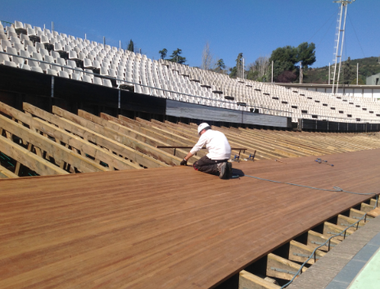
point(207, 165)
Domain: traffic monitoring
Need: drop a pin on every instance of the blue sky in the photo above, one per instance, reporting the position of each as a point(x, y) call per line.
point(252, 27)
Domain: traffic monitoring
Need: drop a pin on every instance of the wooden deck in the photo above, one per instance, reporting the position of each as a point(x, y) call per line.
point(169, 227)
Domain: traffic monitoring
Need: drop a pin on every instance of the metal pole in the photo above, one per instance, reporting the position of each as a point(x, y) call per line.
point(52, 26)
point(337, 47)
point(329, 73)
point(272, 71)
point(357, 73)
point(104, 40)
point(341, 48)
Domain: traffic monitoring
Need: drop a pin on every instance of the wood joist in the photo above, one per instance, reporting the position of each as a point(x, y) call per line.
point(96, 134)
point(87, 143)
point(156, 135)
point(146, 151)
point(61, 154)
point(129, 137)
point(50, 145)
point(285, 266)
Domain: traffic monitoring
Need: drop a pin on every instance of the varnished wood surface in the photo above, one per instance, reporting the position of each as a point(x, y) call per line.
point(166, 227)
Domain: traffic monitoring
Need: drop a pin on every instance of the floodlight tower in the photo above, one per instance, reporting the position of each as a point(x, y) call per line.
point(339, 40)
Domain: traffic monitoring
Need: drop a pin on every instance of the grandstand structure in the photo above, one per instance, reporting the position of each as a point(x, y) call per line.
point(92, 194)
point(188, 92)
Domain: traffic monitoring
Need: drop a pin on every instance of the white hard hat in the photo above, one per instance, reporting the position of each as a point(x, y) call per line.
point(202, 126)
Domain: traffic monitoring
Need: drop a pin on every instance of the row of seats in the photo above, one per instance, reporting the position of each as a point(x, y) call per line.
point(61, 55)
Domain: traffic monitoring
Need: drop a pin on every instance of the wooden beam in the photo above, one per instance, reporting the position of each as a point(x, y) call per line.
point(28, 159)
point(282, 268)
point(315, 239)
point(136, 135)
point(151, 132)
point(57, 151)
point(119, 137)
point(365, 207)
point(330, 229)
point(300, 252)
point(5, 173)
point(357, 214)
point(248, 280)
point(98, 139)
point(373, 202)
point(347, 221)
point(77, 143)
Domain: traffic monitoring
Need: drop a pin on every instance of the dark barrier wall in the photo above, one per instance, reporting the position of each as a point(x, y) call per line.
point(331, 126)
point(18, 86)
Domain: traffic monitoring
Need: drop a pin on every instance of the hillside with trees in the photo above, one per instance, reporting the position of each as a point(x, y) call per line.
point(367, 67)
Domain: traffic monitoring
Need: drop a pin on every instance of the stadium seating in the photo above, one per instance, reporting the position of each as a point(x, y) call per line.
point(61, 55)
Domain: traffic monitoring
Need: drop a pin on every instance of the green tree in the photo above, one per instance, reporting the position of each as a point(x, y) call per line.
point(175, 57)
point(131, 46)
point(284, 59)
point(348, 73)
point(306, 56)
point(220, 66)
point(163, 53)
point(236, 71)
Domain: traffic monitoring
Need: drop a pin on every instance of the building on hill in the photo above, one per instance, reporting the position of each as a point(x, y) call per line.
point(373, 79)
point(369, 91)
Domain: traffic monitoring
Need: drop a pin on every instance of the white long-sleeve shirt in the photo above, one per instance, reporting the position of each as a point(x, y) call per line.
point(216, 144)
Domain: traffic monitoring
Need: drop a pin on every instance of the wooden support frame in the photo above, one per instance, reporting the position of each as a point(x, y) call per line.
point(282, 268)
point(119, 136)
point(248, 280)
point(28, 159)
point(58, 152)
point(151, 132)
point(299, 252)
point(315, 239)
point(99, 139)
point(5, 173)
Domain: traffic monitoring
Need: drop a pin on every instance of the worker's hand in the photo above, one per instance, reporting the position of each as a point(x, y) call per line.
point(183, 163)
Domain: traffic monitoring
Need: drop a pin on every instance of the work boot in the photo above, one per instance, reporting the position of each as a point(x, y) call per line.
point(222, 168)
point(229, 170)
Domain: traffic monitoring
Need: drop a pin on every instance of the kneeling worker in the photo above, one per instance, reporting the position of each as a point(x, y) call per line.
point(219, 152)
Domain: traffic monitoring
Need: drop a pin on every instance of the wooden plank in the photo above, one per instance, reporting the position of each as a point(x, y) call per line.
point(74, 141)
point(365, 207)
point(58, 152)
point(330, 229)
point(347, 221)
point(103, 155)
point(134, 139)
point(141, 229)
point(373, 203)
point(97, 138)
point(169, 135)
point(250, 281)
point(28, 159)
point(282, 268)
point(315, 239)
point(5, 173)
point(300, 253)
point(151, 133)
point(357, 214)
point(119, 137)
